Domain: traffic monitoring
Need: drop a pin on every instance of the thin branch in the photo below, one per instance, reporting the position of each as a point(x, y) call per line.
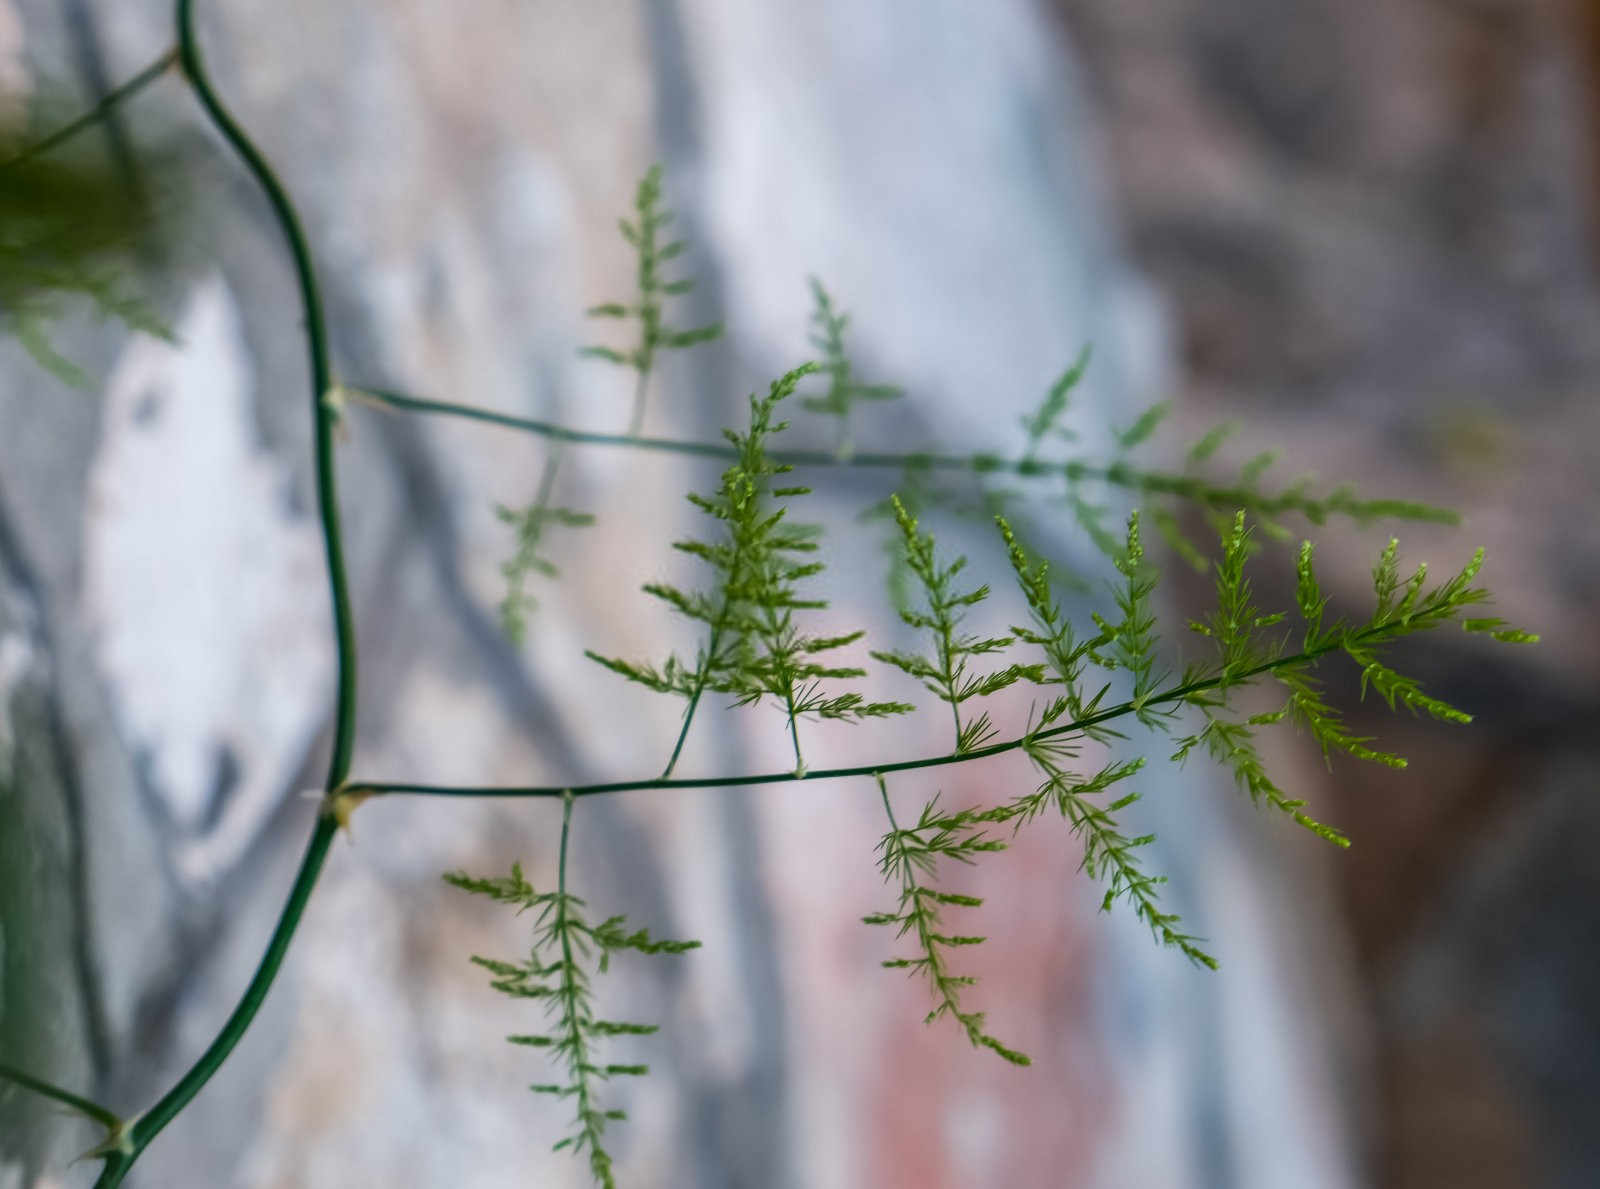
point(110, 100)
point(1177, 693)
point(1119, 474)
point(323, 414)
point(324, 406)
point(93, 1110)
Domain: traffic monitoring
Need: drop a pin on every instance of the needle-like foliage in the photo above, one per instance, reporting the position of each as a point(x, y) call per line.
point(1130, 643)
point(910, 859)
point(1402, 608)
point(844, 390)
point(1109, 855)
point(1042, 421)
point(754, 647)
point(556, 974)
point(642, 233)
point(1066, 656)
point(945, 673)
point(529, 524)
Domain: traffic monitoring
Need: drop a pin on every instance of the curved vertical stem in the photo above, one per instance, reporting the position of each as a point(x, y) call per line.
point(321, 382)
point(152, 1121)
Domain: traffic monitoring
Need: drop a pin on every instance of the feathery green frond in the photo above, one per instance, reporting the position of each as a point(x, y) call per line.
point(754, 647)
point(555, 974)
point(529, 524)
point(650, 218)
point(1066, 656)
point(1307, 708)
point(1235, 623)
point(1043, 420)
point(1308, 594)
point(910, 858)
point(1209, 443)
point(1131, 642)
point(1143, 428)
point(1109, 855)
point(945, 673)
point(1402, 607)
point(844, 391)
point(1399, 690)
point(1232, 745)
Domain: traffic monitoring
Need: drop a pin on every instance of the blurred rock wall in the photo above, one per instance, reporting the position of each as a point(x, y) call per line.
point(459, 169)
point(1379, 226)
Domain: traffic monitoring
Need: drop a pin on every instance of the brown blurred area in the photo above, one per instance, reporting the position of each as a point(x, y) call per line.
point(1377, 223)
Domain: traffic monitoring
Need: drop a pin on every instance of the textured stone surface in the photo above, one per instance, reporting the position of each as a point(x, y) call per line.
point(459, 176)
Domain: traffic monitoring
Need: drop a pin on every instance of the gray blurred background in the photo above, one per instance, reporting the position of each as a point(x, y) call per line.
point(1365, 230)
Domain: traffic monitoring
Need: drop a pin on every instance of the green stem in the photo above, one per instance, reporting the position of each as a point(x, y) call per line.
point(255, 992)
point(107, 102)
point(152, 1121)
point(83, 1106)
point(150, 1124)
point(578, 1050)
point(700, 679)
point(944, 645)
point(883, 790)
point(794, 731)
point(1078, 470)
point(324, 417)
point(1176, 694)
point(547, 479)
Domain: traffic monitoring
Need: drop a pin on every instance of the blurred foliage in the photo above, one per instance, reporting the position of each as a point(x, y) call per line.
point(72, 223)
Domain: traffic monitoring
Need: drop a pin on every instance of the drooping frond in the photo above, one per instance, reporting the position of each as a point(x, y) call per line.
point(844, 390)
point(643, 233)
point(1109, 856)
point(1232, 745)
point(910, 858)
point(556, 974)
point(946, 671)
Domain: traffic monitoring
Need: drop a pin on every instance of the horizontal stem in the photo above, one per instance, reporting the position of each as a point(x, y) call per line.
point(111, 99)
point(1175, 694)
point(1027, 467)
